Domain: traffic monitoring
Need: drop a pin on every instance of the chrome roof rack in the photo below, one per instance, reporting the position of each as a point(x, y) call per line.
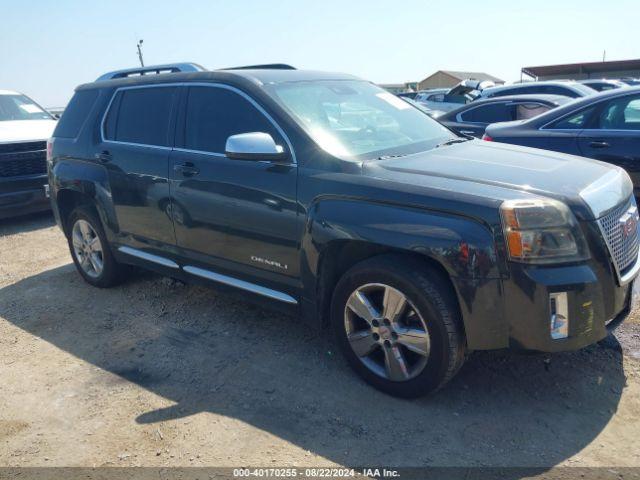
point(152, 70)
point(266, 66)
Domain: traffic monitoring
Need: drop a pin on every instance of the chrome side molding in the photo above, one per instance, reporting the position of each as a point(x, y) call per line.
point(149, 257)
point(241, 284)
point(209, 275)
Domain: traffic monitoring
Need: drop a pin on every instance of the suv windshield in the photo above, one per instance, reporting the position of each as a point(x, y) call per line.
point(20, 107)
point(357, 119)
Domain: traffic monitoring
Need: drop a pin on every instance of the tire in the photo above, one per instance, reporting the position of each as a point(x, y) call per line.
point(84, 221)
point(415, 351)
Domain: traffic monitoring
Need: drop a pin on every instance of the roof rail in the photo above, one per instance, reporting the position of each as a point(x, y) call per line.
point(152, 69)
point(266, 66)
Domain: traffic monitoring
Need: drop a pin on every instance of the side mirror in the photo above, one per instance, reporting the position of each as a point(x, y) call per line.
point(254, 146)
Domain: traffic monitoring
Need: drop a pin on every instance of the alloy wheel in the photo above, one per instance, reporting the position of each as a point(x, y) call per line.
point(87, 248)
point(386, 332)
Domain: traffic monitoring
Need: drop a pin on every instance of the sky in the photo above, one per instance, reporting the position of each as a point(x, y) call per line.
point(48, 47)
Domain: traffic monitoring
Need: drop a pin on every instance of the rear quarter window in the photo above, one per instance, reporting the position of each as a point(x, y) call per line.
point(575, 121)
point(76, 114)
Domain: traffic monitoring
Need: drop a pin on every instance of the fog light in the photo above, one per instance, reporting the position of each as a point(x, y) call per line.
point(559, 309)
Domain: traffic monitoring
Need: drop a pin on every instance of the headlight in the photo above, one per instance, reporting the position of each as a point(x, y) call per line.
point(542, 231)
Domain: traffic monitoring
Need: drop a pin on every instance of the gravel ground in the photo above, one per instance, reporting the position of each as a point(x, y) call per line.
point(157, 373)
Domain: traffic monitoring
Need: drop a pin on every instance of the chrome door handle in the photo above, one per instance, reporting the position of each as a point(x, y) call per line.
point(599, 145)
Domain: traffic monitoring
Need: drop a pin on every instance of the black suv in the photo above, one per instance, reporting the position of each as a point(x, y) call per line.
point(329, 197)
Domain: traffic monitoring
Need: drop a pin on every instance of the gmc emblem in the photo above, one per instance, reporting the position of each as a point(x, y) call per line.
point(629, 222)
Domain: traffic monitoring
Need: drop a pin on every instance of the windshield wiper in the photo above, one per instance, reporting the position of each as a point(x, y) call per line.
point(452, 141)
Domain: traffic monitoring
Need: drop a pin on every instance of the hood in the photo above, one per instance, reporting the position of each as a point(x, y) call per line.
point(26, 130)
point(510, 171)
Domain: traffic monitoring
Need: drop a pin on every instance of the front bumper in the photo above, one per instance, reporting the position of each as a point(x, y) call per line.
point(594, 307)
point(23, 195)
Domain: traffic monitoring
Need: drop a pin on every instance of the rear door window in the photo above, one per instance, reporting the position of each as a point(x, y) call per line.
point(524, 111)
point(143, 116)
point(214, 114)
point(493, 113)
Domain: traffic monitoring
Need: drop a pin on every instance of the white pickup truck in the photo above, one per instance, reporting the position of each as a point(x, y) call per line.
point(25, 128)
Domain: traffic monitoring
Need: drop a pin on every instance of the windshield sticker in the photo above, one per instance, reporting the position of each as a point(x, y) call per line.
point(393, 100)
point(30, 108)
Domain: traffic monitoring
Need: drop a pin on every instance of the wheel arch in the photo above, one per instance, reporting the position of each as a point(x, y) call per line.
point(74, 183)
point(341, 233)
point(67, 201)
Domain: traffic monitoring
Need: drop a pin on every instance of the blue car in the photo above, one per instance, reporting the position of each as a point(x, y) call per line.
point(605, 127)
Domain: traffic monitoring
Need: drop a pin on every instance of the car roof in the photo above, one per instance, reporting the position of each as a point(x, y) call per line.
point(555, 99)
point(599, 80)
point(258, 77)
point(561, 83)
point(582, 102)
point(9, 92)
point(544, 97)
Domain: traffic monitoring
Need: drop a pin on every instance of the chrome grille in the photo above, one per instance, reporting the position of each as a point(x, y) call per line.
point(623, 248)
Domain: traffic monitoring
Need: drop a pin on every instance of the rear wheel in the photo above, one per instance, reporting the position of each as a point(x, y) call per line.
point(398, 325)
point(90, 250)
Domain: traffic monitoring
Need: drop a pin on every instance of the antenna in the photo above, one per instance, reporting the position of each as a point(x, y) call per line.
point(139, 45)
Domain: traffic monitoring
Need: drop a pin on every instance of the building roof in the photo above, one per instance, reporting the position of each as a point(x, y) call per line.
point(589, 67)
point(466, 75)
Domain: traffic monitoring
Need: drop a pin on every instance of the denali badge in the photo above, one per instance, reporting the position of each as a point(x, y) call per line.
point(629, 222)
point(271, 263)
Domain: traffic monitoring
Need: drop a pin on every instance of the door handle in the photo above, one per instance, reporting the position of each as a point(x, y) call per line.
point(599, 144)
point(103, 157)
point(187, 169)
point(275, 204)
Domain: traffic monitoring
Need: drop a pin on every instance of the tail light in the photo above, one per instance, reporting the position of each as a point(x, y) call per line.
point(49, 151)
point(487, 138)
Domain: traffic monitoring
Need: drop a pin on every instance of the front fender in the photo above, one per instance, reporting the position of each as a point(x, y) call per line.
point(463, 246)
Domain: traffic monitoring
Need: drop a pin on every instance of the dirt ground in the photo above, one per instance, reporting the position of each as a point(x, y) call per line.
point(157, 373)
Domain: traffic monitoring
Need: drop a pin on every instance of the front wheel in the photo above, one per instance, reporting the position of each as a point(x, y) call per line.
point(90, 250)
point(398, 325)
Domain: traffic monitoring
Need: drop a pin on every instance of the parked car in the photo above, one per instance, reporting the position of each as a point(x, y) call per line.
point(331, 198)
point(600, 85)
point(410, 95)
point(605, 127)
point(550, 87)
point(447, 99)
point(631, 81)
point(56, 112)
point(422, 107)
point(473, 118)
point(24, 129)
